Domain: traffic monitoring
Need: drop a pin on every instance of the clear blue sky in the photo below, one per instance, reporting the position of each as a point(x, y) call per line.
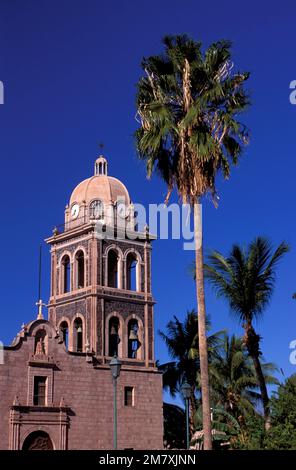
point(69, 70)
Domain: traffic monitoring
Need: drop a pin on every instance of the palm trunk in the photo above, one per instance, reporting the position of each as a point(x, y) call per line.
point(252, 343)
point(201, 312)
point(192, 411)
point(263, 390)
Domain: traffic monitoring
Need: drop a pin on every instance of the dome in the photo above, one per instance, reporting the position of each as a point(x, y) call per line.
point(100, 186)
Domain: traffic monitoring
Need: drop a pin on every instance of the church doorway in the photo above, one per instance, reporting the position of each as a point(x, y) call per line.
point(38, 440)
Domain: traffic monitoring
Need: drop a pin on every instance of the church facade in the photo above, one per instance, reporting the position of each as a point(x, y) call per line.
point(56, 386)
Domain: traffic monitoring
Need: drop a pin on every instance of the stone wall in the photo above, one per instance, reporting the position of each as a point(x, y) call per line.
point(79, 412)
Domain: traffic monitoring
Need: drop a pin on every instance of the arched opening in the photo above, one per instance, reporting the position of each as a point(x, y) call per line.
point(40, 342)
point(66, 274)
point(78, 335)
point(112, 269)
point(64, 329)
point(131, 272)
point(37, 440)
point(80, 269)
point(96, 210)
point(114, 339)
point(133, 339)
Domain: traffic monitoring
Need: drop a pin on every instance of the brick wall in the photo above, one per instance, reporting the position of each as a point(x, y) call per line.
point(88, 398)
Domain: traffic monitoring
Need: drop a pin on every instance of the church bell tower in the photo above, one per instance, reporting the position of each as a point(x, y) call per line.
point(100, 299)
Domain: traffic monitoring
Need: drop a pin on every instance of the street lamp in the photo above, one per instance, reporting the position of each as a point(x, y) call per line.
point(115, 366)
point(186, 392)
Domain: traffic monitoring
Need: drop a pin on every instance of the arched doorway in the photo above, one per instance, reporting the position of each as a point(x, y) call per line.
point(37, 440)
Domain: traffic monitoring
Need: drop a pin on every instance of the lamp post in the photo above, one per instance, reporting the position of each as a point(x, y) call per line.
point(115, 366)
point(186, 392)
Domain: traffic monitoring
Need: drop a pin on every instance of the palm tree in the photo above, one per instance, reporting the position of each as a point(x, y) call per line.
point(187, 104)
point(234, 380)
point(246, 279)
point(234, 395)
point(181, 339)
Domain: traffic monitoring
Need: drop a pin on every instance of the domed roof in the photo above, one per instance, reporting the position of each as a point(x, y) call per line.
point(100, 186)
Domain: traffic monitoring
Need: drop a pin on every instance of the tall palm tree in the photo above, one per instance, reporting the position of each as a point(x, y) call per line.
point(246, 279)
point(181, 339)
point(188, 103)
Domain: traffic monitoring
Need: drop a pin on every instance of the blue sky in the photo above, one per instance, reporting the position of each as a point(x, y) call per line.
point(69, 70)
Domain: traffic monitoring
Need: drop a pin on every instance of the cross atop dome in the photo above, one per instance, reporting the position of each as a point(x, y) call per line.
point(101, 166)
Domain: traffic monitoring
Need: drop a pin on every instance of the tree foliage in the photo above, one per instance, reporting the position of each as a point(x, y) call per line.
point(188, 104)
point(282, 434)
point(246, 279)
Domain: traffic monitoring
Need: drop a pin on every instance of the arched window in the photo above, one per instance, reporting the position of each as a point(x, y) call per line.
point(64, 329)
point(66, 274)
point(133, 338)
point(114, 339)
point(112, 269)
point(78, 335)
point(131, 272)
point(79, 258)
point(96, 210)
point(40, 342)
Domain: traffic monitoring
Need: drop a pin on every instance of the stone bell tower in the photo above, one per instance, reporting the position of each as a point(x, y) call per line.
point(56, 386)
point(100, 298)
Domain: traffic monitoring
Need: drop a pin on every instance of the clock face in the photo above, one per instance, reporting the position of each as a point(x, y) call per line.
point(75, 211)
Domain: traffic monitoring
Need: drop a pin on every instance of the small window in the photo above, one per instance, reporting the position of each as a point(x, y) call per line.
point(39, 391)
point(128, 396)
